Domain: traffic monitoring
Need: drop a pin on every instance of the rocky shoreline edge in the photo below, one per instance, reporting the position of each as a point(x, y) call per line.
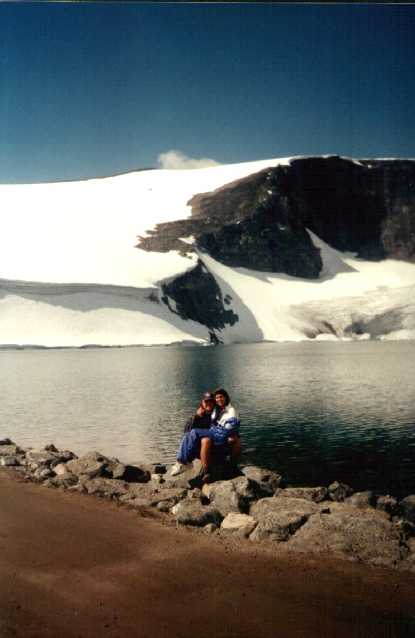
point(251, 504)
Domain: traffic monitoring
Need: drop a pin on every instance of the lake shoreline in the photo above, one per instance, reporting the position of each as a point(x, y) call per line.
point(248, 502)
point(76, 566)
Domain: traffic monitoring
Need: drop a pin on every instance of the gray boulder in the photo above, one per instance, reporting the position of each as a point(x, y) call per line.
point(104, 487)
point(247, 489)
point(339, 491)
point(42, 473)
point(158, 468)
point(192, 512)
point(182, 480)
point(65, 455)
point(364, 535)
point(387, 504)
point(166, 499)
point(267, 481)
point(225, 497)
point(407, 507)
point(277, 527)
point(90, 465)
point(361, 500)
point(138, 491)
point(279, 517)
point(9, 461)
point(242, 524)
point(64, 480)
point(40, 457)
point(315, 494)
point(131, 473)
point(9, 449)
point(277, 504)
point(137, 474)
point(60, 469)
point(114, 469)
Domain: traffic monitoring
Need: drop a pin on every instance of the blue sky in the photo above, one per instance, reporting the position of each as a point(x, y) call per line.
point(96, 89)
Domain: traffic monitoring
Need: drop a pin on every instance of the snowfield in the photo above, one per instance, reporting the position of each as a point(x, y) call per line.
point(70, 274)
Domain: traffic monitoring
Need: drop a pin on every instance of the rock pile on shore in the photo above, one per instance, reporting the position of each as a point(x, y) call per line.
point(374, 529)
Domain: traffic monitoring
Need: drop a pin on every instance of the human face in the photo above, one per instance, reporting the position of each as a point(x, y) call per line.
point(220, 400)
point(208, 406)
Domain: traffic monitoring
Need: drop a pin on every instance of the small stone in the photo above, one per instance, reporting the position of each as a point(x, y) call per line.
point(115, 469)
point(158, 468)
point(360, 500)
point(387, 504)
point(9, 450)
point(43, 473)
point(165, 506)
point(40, 457)
point(136, 474)
point(235, 522)
point(210, 528)
point(51, 448)
point(61, 469)
point(9, 461)
point(66, 480)
point(339, 491)
point(170, 496)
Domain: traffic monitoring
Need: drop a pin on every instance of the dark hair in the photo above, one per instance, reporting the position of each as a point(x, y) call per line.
point(209, 397)
point(223, 393)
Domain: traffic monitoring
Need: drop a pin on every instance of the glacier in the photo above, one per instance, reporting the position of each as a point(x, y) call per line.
point(71, 274)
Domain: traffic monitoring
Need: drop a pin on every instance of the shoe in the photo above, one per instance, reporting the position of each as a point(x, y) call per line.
point(179, 468)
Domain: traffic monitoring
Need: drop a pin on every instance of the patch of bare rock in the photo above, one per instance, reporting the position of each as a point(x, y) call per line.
point(252, 503)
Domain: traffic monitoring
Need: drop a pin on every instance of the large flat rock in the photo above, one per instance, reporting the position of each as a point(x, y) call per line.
point(364, 535)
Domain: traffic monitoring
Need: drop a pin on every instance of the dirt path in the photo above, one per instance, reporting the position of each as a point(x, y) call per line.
point(72, 566)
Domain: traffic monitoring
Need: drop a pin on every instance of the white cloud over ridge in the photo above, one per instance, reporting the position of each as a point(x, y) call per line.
point(175, 159)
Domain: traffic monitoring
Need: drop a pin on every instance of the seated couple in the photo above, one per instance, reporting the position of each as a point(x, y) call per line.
point(213, 431)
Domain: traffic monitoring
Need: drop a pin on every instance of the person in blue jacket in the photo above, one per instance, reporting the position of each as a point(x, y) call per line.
point(199, 439)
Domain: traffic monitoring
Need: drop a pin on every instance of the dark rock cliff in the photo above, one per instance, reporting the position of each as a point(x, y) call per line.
point(260, 222)
point(197, 296)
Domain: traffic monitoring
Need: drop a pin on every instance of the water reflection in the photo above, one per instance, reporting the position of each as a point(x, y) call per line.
point(314, 411)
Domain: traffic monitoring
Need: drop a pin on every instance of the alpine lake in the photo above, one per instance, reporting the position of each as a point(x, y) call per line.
point(313, 411)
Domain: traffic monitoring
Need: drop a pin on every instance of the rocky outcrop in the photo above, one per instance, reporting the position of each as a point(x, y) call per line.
point(278, 518)
point(259, 222)
point(196, 295)
point(360, 535)
point(262, 222)
point(360, 526)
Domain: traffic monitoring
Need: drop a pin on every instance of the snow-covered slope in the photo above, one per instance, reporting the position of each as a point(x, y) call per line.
point(70, 273)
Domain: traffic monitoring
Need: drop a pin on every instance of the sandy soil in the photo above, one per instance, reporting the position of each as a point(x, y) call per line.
point(73, 566)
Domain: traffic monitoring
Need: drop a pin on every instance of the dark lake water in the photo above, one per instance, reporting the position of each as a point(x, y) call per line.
point(313, 411)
